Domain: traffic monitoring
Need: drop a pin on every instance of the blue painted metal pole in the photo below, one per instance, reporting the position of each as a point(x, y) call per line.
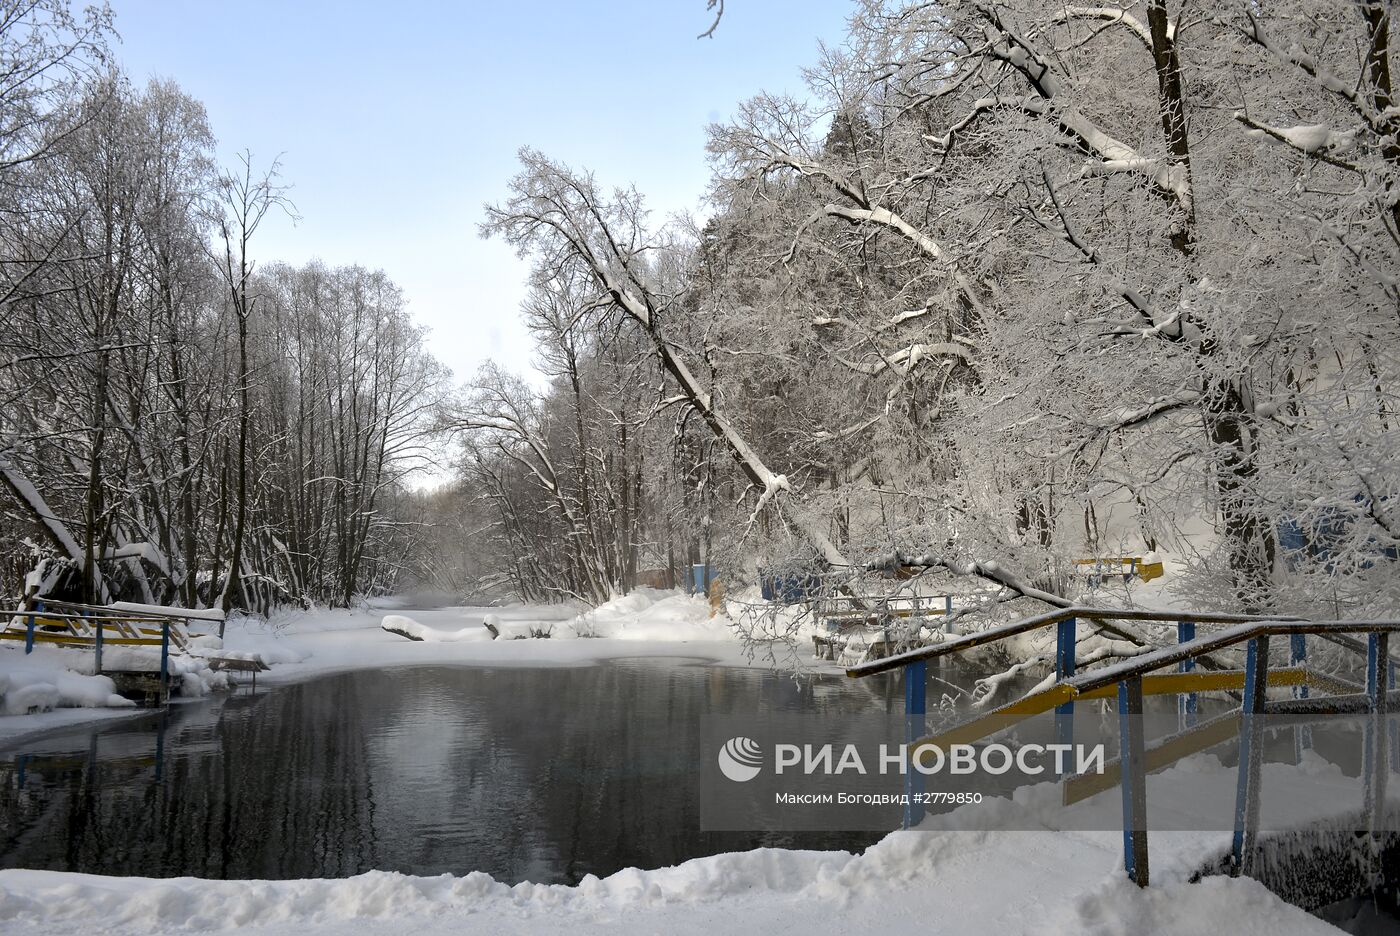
point(29, 630)
point(1132, 759)
point(1186, 705)
point(1298, 656)
point(1256, 679)
point(947, 614)
point(915, 699)
point(1374, 758)
point(1064, 669)
point(97, 649)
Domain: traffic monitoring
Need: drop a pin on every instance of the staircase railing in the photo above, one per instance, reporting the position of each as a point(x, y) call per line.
point(1132, 678)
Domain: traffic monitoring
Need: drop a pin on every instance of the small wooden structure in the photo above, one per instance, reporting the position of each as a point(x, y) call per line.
point(860, 628)
point(1103, 568)
point(239, 665)
point(95, 627)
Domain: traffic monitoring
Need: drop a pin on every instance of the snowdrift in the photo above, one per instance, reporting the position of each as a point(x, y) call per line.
point(39, 683)
point(1012, 883)
point(651, 614)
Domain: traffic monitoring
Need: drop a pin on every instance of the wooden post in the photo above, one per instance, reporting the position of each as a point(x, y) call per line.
point(1256, 678)
point(164, 660)
point(1132, 759)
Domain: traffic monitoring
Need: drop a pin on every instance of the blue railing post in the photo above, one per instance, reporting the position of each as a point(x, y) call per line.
point(1186, 704)
point(164, 659)
point(1375, 761)
point(915, 698)
point(1256, 678)
point(1298, 656)
point(1392, 724)
point(947, 614)
point(1132, 761)
point(29, 634)
point(1064, 669)
point(97, 649)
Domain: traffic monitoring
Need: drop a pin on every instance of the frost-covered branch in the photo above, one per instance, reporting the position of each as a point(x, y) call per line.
point(906, 359)
point(1109, 14)
point(1114, 156)
point(1316, 140)
point(549, 203)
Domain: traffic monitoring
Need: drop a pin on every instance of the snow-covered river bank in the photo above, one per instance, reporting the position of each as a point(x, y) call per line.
point(944, 879)
point(300, 645)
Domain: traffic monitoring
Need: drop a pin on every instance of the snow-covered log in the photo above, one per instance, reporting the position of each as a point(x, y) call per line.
point(407, 627)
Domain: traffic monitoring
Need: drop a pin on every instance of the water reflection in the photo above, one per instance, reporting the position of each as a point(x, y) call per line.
point(538, 774)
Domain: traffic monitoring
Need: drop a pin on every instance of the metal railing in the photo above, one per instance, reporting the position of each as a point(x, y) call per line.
point(1132, 680)
point(67, 624)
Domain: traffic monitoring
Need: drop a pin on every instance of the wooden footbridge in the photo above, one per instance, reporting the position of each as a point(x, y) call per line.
point(100, 627)
point(1184, 669)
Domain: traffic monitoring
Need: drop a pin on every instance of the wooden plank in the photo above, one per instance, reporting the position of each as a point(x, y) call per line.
point(1163, 754)
point(1153, 684)
point(237, 665)
point(1201, 681)
point(998, 719)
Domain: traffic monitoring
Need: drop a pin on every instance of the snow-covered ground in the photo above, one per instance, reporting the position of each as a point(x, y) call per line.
point(944, 880)
point(951, 882)
point(301, 645)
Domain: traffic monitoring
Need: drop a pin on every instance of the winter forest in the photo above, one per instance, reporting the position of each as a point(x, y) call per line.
point(1013, 285)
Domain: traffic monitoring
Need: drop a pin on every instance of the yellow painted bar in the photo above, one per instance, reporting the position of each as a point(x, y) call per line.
point(47, 622)
point(1327, 682)
point(1168, 752)
point(1201, 681)
point(999, 718)
point(1152, 684)
point(75, 641)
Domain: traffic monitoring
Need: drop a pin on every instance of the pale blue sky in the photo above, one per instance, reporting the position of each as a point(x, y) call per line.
point(397, 121)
